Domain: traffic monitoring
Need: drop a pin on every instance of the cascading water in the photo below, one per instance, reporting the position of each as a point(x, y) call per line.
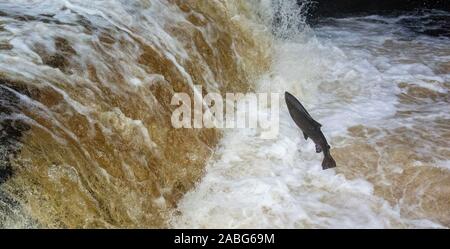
point(381, 91)
point(86, 138)
point(85, 92)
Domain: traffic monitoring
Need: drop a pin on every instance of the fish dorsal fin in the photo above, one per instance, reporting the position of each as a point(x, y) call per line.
point(317, 123)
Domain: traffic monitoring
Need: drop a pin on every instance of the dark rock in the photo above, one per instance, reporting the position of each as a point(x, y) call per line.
point(340, 8)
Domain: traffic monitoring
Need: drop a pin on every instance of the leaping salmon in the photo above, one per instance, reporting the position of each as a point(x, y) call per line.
point(310, 129)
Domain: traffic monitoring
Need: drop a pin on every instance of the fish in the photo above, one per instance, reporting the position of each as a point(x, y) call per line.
point(310, 128)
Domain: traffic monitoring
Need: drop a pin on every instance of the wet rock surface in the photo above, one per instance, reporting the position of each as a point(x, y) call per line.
point(10, 130)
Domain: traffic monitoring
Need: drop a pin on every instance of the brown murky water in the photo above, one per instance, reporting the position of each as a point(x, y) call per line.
point(404, 164)
point(86, 138)
point(381, 90)
point(88, 97)
point(406, 156)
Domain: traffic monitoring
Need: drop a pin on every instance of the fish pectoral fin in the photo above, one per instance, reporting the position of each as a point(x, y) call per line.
point(318, 148)
point(305, 136)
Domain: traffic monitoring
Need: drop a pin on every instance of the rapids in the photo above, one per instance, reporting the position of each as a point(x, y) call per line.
point(85, 100)
point(380, 87)
point(86, 139)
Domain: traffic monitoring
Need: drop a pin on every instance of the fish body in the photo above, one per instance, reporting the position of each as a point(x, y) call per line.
point(310, 128)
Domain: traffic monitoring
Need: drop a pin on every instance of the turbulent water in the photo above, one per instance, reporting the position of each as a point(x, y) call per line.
point(86, 139)
point(85, 92)
point(380, 88)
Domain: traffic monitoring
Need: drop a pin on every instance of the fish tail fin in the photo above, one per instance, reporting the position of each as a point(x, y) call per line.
point(328, 161)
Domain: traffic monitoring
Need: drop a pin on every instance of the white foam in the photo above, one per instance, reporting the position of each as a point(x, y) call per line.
point(254, 183)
